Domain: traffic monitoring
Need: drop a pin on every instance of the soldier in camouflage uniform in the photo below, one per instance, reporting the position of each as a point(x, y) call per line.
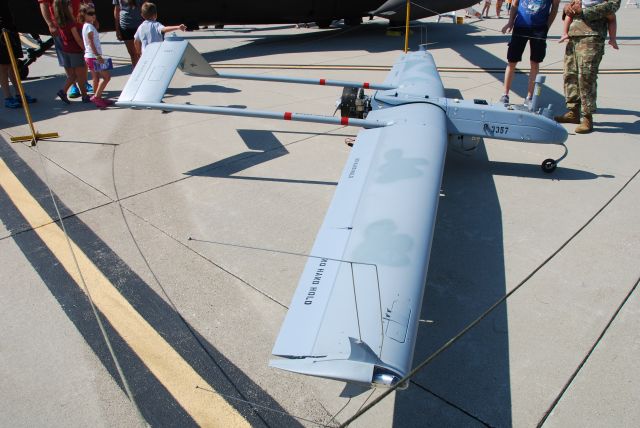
point(582, 59)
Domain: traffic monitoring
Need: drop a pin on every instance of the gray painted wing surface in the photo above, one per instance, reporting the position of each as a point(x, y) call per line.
point(357, 304)
point(156, 67)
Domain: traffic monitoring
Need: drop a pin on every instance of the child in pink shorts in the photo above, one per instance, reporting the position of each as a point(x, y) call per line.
point(93, 54)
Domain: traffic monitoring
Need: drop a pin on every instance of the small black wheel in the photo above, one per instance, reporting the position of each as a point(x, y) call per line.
point(549, 165)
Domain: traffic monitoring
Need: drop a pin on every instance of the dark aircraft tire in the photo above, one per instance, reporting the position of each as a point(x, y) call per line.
point(353, 21)
point(324, 23)
point(549, 165)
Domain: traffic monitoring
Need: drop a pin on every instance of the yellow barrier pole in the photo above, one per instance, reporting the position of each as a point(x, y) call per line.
point(406, 30)
point(35, 136)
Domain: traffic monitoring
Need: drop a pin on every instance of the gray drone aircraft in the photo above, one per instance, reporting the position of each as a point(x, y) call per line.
point(355, 313)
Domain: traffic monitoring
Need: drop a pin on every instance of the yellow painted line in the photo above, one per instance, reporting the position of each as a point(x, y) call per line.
point(175, 374)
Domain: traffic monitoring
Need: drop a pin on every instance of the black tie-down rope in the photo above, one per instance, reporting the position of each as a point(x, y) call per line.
point(475, 322)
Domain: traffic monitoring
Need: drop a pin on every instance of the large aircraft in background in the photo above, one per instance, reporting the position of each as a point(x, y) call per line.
point(195, 13)
point(219, 12)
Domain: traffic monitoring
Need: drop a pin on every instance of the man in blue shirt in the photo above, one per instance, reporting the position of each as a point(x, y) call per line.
point(529, 20)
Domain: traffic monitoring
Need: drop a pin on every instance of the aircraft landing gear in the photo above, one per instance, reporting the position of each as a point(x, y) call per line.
point(550, 165)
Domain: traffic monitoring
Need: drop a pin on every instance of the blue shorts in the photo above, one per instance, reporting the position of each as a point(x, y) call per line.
point(57, 42)
point(537, 38)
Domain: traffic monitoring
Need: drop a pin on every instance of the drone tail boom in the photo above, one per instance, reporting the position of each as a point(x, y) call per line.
point(159, 61)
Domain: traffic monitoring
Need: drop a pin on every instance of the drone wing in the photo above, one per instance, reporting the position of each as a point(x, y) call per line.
point(157, 65)
point(355, 312)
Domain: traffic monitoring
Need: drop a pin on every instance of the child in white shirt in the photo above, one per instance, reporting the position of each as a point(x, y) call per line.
point(93, 54)
point(151, 31)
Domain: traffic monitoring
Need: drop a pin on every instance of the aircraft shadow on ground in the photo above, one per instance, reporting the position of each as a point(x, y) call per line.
point(264, 146)
point(172, 92)
point(617, 127)
point(469, 384)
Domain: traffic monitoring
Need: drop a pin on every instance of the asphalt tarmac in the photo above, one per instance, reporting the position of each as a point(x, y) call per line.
point(184, 228)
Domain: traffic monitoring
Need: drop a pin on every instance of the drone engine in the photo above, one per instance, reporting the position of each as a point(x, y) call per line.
point(464, 143)
point(354, 103)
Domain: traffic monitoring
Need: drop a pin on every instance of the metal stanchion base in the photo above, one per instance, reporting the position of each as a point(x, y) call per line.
point(34, 138)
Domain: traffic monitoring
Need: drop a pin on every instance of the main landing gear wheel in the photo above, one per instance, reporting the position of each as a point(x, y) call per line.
point(549, 165)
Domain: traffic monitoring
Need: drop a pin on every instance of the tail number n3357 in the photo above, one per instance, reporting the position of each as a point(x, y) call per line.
point(496, 129)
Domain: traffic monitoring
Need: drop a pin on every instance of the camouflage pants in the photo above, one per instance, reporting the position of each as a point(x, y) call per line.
point(581, 62)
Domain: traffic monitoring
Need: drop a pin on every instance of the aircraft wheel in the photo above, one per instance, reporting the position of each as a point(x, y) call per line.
point(549, 165)
point(324, 23)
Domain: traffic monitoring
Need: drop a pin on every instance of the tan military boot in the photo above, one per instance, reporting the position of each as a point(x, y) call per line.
point(586, 125)
point(571, 116)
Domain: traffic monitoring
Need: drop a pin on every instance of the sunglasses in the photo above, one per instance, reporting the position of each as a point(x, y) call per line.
point(92, 13)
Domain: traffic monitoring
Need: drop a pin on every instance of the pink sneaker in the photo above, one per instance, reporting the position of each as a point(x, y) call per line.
point(99, 102)
point(108, 101)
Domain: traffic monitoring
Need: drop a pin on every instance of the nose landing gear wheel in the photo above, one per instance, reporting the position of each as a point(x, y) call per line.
point(549, 165)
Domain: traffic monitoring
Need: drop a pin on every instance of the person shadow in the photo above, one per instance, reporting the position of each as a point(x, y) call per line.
point(608, 127)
